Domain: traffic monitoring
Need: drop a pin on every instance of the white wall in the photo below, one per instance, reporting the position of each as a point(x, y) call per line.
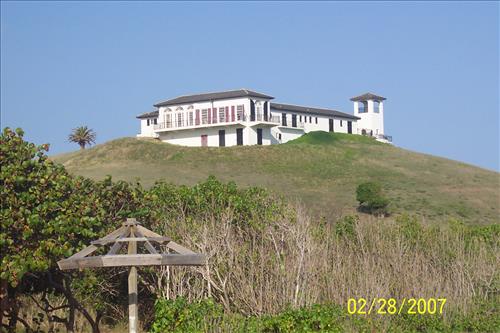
point(147, 131)
point(289, 133)
point(370, 120)
point(192, 138)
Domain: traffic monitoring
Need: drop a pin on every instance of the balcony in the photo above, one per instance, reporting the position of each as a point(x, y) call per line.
point(241, 119)
point(383, 137)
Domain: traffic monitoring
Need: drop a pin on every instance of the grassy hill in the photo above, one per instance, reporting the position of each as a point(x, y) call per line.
point(320, 169)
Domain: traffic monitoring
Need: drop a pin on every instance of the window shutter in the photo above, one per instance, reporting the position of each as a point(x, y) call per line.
point(214, 116)
point(265, 111)
point(252, 111)
point(209, 115)
point(233, 118)
point(227, 113)
point(197, 117)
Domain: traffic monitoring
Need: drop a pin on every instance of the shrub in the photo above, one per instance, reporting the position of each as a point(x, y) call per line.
point(371, 198)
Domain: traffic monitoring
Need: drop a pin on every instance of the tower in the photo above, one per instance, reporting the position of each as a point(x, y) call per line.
point(370, 108)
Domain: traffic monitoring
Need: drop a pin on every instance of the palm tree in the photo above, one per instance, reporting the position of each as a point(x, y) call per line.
point(83, 136)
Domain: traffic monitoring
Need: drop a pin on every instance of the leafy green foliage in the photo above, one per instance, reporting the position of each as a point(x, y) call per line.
point(370, 198)
point(45, 213)
point(180, 316)
point(206, 316)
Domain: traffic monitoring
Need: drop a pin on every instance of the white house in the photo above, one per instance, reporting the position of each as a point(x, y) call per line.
point(246, 117)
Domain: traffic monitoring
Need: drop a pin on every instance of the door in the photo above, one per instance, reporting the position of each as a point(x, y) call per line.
point(222, 138)
point(294, 120)
point(239, 136)
point(265, 111)
point(349, 127)
point(330, 125)
point(252, 111)
point(283, 119)
point(204, 140)
point(259, 136)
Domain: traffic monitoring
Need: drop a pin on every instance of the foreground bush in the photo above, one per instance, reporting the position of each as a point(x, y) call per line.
point(178, 316)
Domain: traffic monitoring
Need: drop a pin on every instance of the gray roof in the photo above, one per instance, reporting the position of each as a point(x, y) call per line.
point(152, 114)
point(307, 109)
point(212, 96)
point(368, 96)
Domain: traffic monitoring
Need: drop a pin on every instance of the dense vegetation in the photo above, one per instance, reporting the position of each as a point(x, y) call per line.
point(272, 268)
point(320, 169)
point(371, 199)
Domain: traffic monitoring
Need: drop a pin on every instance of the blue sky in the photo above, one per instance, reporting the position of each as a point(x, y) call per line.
point(65, 64)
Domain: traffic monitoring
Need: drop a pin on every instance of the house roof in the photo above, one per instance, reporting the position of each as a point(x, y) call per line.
point(151, 114)
point(368, 96)
point(307, 109)
point(212, 96)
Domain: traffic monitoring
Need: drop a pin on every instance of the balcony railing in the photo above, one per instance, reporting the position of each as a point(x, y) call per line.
point(190, 123)
point(384, 137)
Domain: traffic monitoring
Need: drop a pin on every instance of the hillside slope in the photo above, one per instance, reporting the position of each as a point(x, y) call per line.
point(320, 169)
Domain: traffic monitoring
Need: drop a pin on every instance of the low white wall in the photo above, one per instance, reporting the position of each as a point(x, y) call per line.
point(192, 138)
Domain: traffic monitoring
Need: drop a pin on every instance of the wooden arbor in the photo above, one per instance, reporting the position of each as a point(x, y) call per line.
point(133, 233)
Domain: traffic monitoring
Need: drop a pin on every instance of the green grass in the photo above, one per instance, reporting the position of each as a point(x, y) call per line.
point(319, 169)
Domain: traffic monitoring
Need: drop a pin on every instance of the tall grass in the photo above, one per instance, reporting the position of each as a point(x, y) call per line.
point(297, 262)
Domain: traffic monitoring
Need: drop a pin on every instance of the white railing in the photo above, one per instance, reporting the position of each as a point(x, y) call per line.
point(187, 123)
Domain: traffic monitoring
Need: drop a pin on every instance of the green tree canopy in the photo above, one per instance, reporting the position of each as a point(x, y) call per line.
point(83, 136)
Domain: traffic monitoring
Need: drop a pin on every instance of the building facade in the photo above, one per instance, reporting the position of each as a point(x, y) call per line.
point(245, 117)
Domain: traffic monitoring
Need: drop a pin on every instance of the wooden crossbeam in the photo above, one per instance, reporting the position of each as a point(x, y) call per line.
point(172, 245)
point(117, 245)
point(123, 260)
point(91, 248)
point(131, 239)
point(147, 244)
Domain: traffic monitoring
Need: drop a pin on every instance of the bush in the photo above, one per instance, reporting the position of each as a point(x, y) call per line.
point(371, 198)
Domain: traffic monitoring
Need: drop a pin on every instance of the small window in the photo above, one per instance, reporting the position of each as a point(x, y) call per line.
point(316, 120)
point(147, 120)
point(376, 106)
point(310, 120)
point(341, 123)
point(279, 136)
point(155, 121)
point(300, 118)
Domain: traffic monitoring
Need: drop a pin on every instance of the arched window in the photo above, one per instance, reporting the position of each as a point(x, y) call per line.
point(362, 107)
point(376, 106)
point(179, 108)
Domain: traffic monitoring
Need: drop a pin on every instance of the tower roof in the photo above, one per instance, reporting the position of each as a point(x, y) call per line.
point(368, 96)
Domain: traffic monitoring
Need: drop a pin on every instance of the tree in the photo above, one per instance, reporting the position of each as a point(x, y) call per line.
point(45, 214)
point(83, 136)
point(371, 198)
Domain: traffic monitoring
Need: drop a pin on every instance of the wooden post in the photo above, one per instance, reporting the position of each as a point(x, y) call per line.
point(132, 288)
